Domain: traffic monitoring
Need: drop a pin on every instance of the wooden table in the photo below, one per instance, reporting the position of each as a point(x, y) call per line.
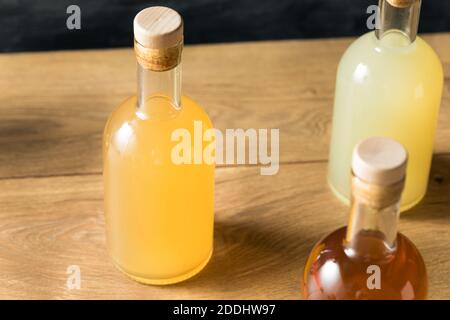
point(53, 107)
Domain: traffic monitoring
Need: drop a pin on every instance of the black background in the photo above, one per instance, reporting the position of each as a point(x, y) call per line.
point(35, 25)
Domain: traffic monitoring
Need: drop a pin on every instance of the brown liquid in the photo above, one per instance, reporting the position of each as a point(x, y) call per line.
point(333, 271)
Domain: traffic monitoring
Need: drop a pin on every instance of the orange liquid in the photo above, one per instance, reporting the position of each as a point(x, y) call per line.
point(332, 273)
point(159, 215)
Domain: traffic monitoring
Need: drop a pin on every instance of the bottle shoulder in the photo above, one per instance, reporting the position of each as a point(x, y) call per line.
point(129, 132)
point(127, 112)
point(195, 111)
point(373, 53)
point(368, 66)
point(332, 246)
point(121, 114)
point(431, 56)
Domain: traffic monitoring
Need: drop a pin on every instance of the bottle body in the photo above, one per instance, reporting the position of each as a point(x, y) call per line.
point(369, 259)
point(333, 272)
point(386, 87)
point(159, 214)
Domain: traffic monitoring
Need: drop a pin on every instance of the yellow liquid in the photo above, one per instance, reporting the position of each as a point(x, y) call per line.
point(390, 88)
point(159, 215)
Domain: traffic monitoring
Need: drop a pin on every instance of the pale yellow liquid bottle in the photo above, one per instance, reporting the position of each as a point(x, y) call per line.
point(159, 214)
point(389, 83)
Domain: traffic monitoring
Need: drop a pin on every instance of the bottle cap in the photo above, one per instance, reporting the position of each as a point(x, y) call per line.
point(401, 3)
point(380, 161)
point(158, 28)
point(158, 34)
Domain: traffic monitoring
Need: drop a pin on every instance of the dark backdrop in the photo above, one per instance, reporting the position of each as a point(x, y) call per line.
point(30, 25)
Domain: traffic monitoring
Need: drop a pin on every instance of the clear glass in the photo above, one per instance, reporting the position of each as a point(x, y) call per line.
point(404, 20)
point(363, 218)
point(159, 214)
point(156, 87)
point(343, 264)
point(390, 86)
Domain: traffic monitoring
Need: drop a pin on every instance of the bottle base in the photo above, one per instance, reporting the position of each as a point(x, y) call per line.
point(345, 200)
point(169, 281)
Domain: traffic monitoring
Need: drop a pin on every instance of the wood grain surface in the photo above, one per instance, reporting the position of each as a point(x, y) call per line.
point(53, 107)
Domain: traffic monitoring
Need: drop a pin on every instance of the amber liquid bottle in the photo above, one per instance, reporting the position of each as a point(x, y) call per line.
point(159, 212)
point(369, 259)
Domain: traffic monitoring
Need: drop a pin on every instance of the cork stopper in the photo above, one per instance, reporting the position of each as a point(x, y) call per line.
point(380, 161)
point(158, 28)
point(158, 34)
point(401, 3)
point(379, 168)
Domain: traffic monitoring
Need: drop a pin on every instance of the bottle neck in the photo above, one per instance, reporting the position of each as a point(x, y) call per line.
point(372, 227)
point(399, 19)
point(157, 90)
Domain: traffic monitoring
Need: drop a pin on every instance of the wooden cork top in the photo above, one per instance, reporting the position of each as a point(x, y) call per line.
point(401, 3)
point(380, 160)
point(158, 34)
point(379, 166)
point(158, 28)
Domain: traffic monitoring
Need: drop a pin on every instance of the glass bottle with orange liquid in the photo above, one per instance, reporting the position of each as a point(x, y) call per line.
point(389, 83)
point(159, 214)
point(369, 259)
